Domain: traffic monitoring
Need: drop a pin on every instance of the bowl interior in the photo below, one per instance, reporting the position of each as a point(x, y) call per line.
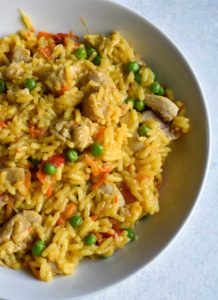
point(184, 169)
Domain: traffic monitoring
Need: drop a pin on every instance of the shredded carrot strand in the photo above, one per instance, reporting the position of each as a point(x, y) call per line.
point(3, 124)
point(100, 133)
point(101, 179)
point(36, 132)
point(41, 176)
point(92, 164)
point(67, 213)
point(27, 180)
point(49, 191)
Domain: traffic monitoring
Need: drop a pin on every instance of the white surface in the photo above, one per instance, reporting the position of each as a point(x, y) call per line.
point(188, 269)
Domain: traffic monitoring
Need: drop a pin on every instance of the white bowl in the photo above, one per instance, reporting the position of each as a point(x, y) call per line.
point(185, 169)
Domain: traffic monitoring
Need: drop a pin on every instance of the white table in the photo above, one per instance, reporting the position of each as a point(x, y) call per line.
point(188, 269)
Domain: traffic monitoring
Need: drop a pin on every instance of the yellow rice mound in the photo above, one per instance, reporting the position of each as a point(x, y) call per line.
point(77, 102)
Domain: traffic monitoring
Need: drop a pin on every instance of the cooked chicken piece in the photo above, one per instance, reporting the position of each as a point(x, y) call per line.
point(20, 54)
point(95, 108)
point(56, 79)
point(112, 189)
point(163, 105)
point(82, 134)
point(13, 71)
point(101, 78)
point(20, 229)
point(149, 115)
point(14, 175)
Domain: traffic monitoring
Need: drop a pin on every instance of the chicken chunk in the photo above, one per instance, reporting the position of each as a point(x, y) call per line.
point(163, 105)
point(20, 229)
point(95, 108)
point(56, 79)
point(83, 133)
point(14, 175)
point(101, 78)
point(20, 54)
point(13, 71)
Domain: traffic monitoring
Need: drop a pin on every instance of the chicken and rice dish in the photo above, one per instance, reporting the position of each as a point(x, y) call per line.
point(85, 128)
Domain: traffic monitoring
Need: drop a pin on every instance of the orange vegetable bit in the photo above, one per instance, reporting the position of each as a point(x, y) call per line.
point(46, 35)
point(92, 164)
point(94, 217)
point(41, 176)
point(49, 191)
point(128, 196)
point(64, 88)
point(3, 124)
point(99, 135)
point(67, 213)
point(35, 271)
point(36, 132)
point(27, 180)
point(116, 199)
point(57, 160)
point(101, 179)
point(46, 51)
point(9, 207)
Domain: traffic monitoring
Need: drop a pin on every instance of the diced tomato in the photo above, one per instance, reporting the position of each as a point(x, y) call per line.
point(57, 160)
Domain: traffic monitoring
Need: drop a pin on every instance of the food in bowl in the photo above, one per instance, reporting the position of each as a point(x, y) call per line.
point(85, 128)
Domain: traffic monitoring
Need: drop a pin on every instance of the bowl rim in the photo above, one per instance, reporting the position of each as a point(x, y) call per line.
point(205, 172)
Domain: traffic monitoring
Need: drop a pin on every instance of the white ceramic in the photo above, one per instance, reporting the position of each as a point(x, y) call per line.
point(185, 169)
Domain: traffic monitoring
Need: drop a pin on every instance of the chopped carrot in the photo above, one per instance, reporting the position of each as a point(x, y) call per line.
point(49, 191)
point(128, 196)
point(64, 89)
point(46, 51)
point(46, 35)
point(92, 164)
point(41, 176)
point(94, 217)
point(100, 133)
point(100, 179)
point(57, 160)
point(141, 176)
point(27, 180)
point(116, 228)
point(67, 213)
point(116, 199)
point(3, 124)
point(9, 207)
point(36, 132)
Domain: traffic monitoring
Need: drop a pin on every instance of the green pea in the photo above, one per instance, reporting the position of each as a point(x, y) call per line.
point(97, 60)
point(90, 51)
point(72, 155)
point(90, 239)
point(97, 149)
point(130, 233)
point(38, 247)
point(143, 130)
point(81, 53)
point(131, 101)
point(30, 84)
point(139, 105)
point(157, 89)
point(133, 66)
point(138, 77)
point(49, 169)
point(76, 221)
point(3, 86)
